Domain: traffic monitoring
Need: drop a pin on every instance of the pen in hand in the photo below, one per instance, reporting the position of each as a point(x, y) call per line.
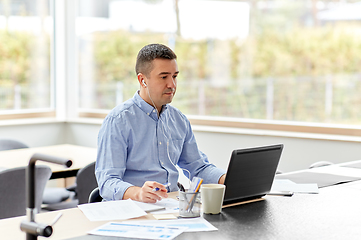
point(157, 189)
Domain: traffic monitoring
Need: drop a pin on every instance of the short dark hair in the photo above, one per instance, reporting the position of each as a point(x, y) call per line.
point(150, 52)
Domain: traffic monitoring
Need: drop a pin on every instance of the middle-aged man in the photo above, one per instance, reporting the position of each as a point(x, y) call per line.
point(143, 139)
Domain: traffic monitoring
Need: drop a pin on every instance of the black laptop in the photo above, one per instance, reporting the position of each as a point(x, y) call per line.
point(251, 172)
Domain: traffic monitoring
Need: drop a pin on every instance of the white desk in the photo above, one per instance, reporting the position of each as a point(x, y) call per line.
point(81, 156)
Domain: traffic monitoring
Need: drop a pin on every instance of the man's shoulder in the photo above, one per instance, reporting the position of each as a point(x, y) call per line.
point(176, 112)
point(121, 108)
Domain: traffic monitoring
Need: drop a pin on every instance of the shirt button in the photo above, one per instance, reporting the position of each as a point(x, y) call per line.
point(153, 110)
point(162, 163)
point(160, 143)
point(148, 114)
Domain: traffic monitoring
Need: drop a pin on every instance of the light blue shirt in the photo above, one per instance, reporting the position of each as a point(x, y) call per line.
point(135, 146)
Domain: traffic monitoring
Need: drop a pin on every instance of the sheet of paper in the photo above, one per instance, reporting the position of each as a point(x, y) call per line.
point(164, 216)
point(140, 231)
point(149, 207)
point(283, 185)
point(322, 179)
point(192, 225)
point(340, 171)
point(356, 164)
point(111, 210)
point(171, 206)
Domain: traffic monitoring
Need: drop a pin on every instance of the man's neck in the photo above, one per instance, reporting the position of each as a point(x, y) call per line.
point(149, 101)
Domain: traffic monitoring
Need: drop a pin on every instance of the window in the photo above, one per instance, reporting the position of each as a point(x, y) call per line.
point(295, 61)
point(26, 28)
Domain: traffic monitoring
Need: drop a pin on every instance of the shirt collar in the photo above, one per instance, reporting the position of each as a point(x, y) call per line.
point(145, 107)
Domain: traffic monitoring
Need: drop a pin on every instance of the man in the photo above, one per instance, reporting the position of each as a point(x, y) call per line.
point(143, 139)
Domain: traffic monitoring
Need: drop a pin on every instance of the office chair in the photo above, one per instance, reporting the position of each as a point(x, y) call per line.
point(9, 144)
point(85, 182)
point(94, 196)
point(13, 193)
point(51, 195)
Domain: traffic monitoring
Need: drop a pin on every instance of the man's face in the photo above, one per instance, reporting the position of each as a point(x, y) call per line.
point(161, 82)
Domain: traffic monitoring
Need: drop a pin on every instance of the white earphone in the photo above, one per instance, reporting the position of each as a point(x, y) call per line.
point(145, 85)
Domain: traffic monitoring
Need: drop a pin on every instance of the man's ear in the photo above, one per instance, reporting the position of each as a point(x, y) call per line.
point(141, 79)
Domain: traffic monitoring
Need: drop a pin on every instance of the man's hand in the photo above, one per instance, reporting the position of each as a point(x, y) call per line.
point(146, 193)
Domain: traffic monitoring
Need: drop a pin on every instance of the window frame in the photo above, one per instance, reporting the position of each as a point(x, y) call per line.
point(259, 124)
point(65, 79)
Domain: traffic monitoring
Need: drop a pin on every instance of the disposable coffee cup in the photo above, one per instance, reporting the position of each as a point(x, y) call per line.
point(212, 198)
point(189, 204)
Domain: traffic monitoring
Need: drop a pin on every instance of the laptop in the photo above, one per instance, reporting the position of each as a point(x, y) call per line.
point(251, 172)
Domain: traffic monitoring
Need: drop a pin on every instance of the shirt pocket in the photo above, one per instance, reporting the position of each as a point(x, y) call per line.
point(175, 148)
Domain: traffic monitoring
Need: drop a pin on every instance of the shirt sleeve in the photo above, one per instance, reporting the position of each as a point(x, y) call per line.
point(111, 159)
point(196, 162)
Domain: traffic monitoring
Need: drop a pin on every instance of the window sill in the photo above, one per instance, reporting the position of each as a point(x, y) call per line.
point(255, 127)
point(278, 126)
point(29, 121)
point(332, 132)
point(26, 114)
point(270, 133)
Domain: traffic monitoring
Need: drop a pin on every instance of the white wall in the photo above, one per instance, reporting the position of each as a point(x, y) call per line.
point(35, 134)
point(298, 152)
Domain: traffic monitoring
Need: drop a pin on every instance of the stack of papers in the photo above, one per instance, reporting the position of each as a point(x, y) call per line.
point(165, 229)
point(148, 229)
point(286, 185)
point(324, 176)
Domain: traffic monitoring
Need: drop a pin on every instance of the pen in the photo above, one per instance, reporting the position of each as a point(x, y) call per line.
point(190, 206)
point(157, 189)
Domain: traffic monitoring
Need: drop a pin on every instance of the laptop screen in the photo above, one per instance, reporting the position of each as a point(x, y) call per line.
point(251, 172)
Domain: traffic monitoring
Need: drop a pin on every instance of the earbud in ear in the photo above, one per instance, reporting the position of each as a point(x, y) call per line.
point(145, 85)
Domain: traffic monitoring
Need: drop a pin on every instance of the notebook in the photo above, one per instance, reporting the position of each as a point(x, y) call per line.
point(251, 172)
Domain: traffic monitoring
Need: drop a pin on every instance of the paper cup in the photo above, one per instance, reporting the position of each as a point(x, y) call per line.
point(212, 198)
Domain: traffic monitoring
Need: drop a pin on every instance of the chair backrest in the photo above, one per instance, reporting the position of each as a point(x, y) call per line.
point(9, 144)
point(95, 196)
point(85, 182)
point(13, 192)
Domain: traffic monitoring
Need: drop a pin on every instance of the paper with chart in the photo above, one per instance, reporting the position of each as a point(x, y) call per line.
point(192, 224)
point(140, 231)
point(112, 210)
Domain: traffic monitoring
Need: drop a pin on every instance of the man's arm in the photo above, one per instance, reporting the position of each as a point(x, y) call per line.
point(147, 193)
point(196, 162)
point(221, 179)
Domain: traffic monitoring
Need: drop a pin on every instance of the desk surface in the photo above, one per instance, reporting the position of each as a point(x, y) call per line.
point(334, 213)
point(81, 156)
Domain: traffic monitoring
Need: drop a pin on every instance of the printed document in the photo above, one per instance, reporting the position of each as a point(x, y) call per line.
point(112, 210)
point(140, 231)
point(192, 225)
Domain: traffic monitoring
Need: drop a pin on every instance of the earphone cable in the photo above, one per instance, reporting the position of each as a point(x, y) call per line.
point(163, 130)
